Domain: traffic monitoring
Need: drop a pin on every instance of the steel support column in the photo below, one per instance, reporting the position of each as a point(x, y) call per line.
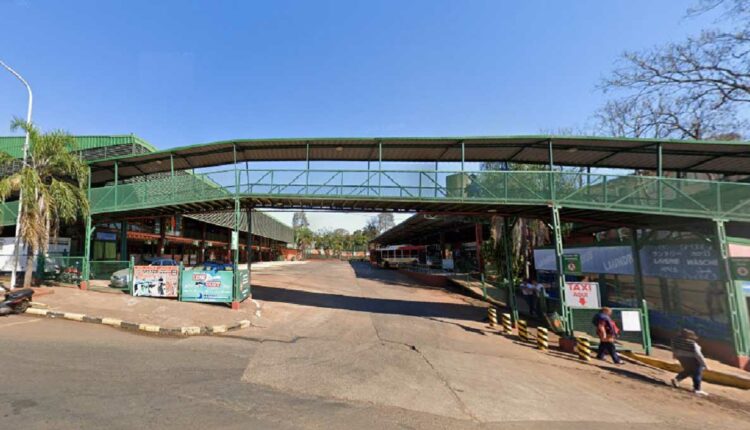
point(738, 312)
point(479, 239)
point(88, 230)
point(116, 180)
point(307, 168)
point(557, 233)
point(463, 156)
point(380, 168)
point(508, 252)
point(659, 174)
point(637, 270)
point(123, 240)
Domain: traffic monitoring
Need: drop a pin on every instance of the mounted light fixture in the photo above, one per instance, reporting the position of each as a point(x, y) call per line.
point(158, 162)
point(571, 150)
point(339, 148)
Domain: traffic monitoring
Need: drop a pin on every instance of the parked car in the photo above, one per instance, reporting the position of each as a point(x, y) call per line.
point(215, 265)
point(121, 278)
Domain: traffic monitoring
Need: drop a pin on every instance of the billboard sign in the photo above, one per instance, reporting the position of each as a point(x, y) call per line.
point(244, 276)
point(155, 281)
point(582, 295)
point(207, 286)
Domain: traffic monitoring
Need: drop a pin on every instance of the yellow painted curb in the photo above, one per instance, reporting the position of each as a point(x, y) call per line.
point(218, 329)
point(149, 327)
point(73, 316)
point(244, 323)
point(38, 305)
point(190, 330)
point(712, 376)
point(111, 321)
point(32, 311)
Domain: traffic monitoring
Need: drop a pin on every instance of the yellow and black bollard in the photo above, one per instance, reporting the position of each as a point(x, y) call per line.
point(523, 330)
point(583, 347)
point(542, 339)
point(507, 324)
point(492, 314)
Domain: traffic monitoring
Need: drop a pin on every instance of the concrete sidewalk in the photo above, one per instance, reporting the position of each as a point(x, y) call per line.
point(168, 313)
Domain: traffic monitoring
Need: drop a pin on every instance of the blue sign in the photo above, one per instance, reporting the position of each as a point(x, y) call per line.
point(206, 286)
point(676, 261)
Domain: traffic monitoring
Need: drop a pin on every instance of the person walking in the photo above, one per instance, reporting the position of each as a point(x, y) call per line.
point(528, 289)
point(686, 350)
point(607, 331)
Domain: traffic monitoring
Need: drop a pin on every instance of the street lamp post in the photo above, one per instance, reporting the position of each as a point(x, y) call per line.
point(17, 241)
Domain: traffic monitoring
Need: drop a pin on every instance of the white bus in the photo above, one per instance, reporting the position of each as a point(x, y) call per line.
point(396, 255)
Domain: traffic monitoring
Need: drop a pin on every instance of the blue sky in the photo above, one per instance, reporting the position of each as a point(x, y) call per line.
point(184, 72)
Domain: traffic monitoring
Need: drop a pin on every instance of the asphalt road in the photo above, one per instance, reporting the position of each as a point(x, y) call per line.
point(335, 347)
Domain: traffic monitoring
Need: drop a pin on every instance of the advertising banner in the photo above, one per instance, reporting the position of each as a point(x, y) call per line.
point(155, 281)
point(207, 286)
point(244, 284)
point(582, 295)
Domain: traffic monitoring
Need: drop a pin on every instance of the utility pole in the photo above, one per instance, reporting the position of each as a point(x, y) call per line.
point(17, 241)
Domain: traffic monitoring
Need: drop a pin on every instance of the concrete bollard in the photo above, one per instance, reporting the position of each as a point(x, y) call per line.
point(542, 339)
point(523, 330)
point(583, 348)
point(492, 314)
point(507, 324)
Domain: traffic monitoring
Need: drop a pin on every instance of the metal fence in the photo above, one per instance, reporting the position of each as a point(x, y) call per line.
point(581, 321)
point(710, 199)
point(102, 270)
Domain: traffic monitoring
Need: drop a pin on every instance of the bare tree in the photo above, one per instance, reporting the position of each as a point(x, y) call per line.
point(691, 89)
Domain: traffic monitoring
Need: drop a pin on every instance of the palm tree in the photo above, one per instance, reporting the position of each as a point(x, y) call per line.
point(53, 183)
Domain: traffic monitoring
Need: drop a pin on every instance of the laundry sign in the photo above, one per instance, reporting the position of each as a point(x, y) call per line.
point(582, 295)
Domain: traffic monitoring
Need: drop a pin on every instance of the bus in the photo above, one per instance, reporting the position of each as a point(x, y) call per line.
point(396, 255)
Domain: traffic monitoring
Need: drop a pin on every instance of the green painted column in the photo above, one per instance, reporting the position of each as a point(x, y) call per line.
point(88, 230)
point(638, 272)
point(123, 240)
point(508, 250)
point(738, 313)
point(557, 233)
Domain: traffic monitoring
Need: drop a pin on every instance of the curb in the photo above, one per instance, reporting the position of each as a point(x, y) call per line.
point(142, 327)
point(712, 376)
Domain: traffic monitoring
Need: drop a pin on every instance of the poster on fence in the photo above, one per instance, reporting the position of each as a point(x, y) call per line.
point(582, 295)
point(207, 286)
point(244, 284)
point(155, 281)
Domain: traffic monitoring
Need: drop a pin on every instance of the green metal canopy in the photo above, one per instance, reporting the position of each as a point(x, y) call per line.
point(676, 155)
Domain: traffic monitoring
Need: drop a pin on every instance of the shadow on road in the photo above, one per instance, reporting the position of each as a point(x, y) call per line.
point(367, 304)
point(386, 276)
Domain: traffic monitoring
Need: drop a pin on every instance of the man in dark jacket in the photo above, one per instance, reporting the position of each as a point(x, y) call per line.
point(686, 350)
point(607, 331)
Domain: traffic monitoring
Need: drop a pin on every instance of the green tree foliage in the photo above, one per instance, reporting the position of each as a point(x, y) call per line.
point(53, 183)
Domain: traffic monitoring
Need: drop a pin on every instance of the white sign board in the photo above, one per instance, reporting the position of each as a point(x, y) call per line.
point(582, 295)
point(631, 321)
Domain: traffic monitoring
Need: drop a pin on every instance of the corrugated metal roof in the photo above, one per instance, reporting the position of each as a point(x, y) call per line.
point(13, 145)
point(264, 225)
point(694, 156)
